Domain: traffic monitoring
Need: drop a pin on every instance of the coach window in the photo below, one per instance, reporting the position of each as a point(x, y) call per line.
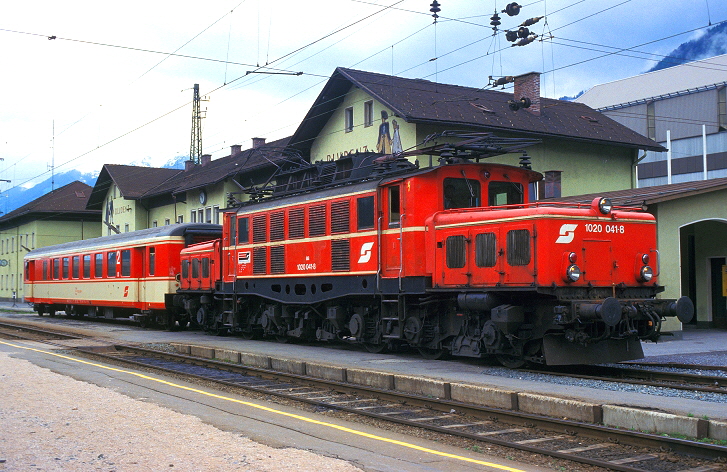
point(111, 264)
point(243, 230)
point(126, 263)
point(505, 193)
point(461, 193)
point(45, 270)
point(98, 266)
point(394, 206)
point(66, 263)
point(56, 268)
point(152, 260)
point(365, 212)
point(75, 270)
point(86, 266)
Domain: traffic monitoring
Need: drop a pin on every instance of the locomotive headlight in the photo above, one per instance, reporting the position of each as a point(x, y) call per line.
point(647, 273)
point(573, 273)
point(605, 206)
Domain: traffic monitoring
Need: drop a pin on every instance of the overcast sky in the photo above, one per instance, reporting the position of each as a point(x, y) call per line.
point(107, 91)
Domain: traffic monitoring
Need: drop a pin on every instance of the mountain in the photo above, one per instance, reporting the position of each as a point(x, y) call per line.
point(19, 196)
point(712, 43)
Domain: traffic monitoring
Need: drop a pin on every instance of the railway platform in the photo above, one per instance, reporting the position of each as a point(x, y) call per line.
point(466, 380)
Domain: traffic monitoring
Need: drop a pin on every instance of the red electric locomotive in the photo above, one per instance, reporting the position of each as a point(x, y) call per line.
point(451, 259)
point(114, 276)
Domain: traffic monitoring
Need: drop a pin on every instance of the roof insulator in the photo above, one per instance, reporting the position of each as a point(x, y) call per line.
point(523, 32)
point(512, 9)
point(511, 36)
point(502, 80)
point(525, 161)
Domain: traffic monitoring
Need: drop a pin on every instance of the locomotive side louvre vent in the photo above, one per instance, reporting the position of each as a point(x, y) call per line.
point(341, 254)
point(340, 216)
point(277, 226)
point(296, 223)
point(486, 250)
point(518, 247)
point(259, 229)
point(259, 260)
point(456, 247)
point(317, 220)
point(277, 259)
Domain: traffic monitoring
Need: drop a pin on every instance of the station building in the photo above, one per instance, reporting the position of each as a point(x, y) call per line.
point(57, 217)
point(684, 109)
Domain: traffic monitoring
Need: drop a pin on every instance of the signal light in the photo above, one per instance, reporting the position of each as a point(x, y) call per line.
point(645, 259)
point(572, 257)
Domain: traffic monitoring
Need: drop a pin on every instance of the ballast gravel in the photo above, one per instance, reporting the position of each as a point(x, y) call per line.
point(51, 422)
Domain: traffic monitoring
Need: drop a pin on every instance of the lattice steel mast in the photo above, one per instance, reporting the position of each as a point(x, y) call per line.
point(195, 147)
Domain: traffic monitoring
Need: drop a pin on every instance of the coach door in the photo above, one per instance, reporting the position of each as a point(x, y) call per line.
point(140, 255)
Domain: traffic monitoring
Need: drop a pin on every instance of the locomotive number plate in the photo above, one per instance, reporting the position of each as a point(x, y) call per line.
point(599, 228)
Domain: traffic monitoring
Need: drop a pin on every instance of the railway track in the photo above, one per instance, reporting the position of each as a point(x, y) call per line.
point(647, 376)
point(598, 446)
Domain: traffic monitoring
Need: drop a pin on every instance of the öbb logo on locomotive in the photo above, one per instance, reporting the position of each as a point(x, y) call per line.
point(450, 259)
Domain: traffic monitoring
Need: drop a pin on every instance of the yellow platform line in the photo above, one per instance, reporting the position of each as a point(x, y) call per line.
point(277, 412)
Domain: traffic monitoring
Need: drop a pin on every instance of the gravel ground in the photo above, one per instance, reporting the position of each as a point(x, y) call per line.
point(79, 426)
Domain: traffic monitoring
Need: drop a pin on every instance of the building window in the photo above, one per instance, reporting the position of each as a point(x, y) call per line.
point(180, 219)
point(369, 113)
point(166, 222)
point(208, 215)
point(348, 115)
point(550, 186)
point(651, 121)
point(154, 224)
point(193, 216)
point(722, 99)
point(126, 228)
point(200, 215)
point(216, 213)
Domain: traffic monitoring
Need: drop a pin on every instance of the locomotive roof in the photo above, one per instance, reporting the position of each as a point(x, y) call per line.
point(130, 238)
point(348, 188)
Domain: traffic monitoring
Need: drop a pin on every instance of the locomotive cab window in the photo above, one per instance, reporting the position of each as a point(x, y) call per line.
point(394, 206)
point(365, 213)
point(461, 193)
point(505, 193)
point(243, 233)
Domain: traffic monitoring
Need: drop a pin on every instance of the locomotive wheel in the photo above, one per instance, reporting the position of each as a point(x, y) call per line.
point(375, 348)
point(247, 335)
point(432, 354)
point(282, 339)
point(511, 362)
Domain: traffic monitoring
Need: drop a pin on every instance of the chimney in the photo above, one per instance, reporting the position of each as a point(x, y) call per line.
point(257, 142)
point(528, 86)
point(206, 158)
point(188, 165)
point(235, 149)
